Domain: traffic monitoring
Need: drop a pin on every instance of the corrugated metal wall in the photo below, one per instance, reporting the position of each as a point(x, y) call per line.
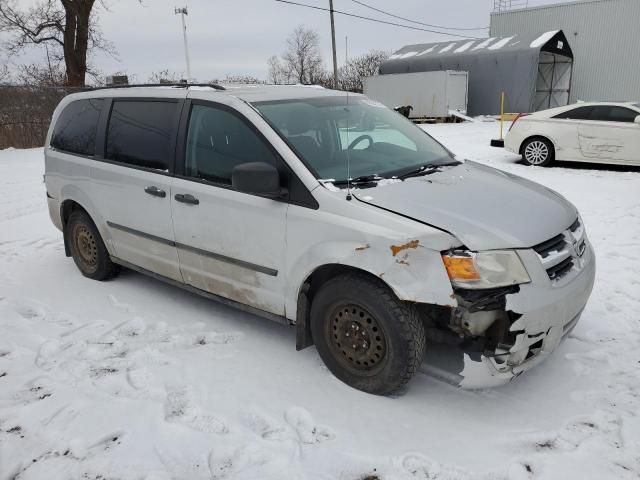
point(604, 36)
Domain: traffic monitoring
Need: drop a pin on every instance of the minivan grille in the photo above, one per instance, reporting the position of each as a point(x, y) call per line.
point(556, 244)
point(560, 254)
point(559, 270)
point(575, 225)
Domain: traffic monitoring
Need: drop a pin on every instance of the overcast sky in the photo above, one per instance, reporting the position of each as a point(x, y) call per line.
point(237, 36)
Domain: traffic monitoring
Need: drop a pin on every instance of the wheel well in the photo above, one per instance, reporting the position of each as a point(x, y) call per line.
point(66, 209)
point(310, 287)
point(541, 137)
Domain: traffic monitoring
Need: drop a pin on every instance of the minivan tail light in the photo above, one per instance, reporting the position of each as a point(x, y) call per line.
point(518, 117)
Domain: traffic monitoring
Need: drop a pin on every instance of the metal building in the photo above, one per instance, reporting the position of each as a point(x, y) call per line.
point(604, 37)
point(534, 70)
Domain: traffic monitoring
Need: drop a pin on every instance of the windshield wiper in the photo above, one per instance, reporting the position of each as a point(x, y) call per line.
point(359, 181)
point(427, 169)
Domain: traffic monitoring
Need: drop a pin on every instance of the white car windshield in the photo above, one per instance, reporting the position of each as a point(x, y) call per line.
point(326, 132)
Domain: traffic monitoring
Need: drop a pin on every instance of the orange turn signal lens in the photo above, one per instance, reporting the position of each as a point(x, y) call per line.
point(461, 268)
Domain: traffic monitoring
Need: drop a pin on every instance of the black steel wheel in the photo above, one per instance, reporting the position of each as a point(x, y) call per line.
point(87, 248)
point(356, 338)
point(84, 243)
point(366, 336)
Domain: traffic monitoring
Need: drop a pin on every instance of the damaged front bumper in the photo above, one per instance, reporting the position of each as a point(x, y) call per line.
point(541, 314)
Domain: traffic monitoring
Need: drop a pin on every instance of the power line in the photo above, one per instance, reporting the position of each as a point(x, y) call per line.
point(414, 21)
point(361, 17)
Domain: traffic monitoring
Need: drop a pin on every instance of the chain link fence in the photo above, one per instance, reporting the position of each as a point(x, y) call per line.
point(25, 114)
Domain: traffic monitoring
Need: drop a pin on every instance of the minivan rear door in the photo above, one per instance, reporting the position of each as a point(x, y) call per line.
point(132, 184)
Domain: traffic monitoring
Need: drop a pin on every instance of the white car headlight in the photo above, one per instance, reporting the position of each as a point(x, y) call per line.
point(497, 268)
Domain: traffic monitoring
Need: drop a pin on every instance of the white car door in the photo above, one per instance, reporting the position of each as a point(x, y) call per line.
point(131, 185)
point(230, 244)
point(610, 135)
point(563, 129)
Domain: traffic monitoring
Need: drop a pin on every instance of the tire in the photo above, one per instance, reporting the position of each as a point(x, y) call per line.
point(388, 335)
point(87, 248)
point(538, 152)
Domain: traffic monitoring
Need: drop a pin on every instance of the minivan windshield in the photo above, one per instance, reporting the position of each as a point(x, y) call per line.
point(377, 142)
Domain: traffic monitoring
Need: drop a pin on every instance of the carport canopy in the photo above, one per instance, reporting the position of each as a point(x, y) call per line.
point(533, 70)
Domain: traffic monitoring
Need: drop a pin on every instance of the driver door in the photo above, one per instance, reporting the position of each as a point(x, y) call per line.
point(230, 243)
point(611, 134)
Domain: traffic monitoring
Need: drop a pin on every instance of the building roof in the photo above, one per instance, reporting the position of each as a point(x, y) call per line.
point(491, 45)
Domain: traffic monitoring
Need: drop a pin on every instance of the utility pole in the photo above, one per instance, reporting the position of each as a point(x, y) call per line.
point(183, 13)
point(333, 40)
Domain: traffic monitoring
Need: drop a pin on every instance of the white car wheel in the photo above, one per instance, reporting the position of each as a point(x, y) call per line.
point(537, 151)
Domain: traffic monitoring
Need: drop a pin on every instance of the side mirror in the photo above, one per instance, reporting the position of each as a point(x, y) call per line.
point(258, 178)
point(637, 120)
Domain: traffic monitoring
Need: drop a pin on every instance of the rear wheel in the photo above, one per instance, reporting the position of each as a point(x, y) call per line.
point(538, 151)
point(366, 336)
point(87, 248)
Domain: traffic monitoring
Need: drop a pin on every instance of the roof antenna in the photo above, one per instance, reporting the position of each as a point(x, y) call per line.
point(346, 60)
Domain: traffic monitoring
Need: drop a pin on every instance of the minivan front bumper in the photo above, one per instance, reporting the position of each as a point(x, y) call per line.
point(543, 314)
point(546, 312)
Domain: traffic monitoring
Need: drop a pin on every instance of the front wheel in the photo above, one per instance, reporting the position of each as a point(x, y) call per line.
point(538, 151)
point(366, 336)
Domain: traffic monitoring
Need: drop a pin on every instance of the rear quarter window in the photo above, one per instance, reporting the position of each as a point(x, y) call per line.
point(580, 113)
point(140, 133)
point(76, 127)
point(613, 113)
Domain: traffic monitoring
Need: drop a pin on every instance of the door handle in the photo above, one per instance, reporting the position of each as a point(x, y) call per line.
point(155, 191)
point(186, 198)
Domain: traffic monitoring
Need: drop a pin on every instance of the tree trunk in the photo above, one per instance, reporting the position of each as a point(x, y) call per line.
point(76, 39)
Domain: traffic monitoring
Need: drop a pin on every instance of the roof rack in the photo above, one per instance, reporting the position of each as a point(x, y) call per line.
point(215, 86)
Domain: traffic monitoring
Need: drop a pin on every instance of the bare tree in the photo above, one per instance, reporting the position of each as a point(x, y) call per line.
point(165, 76)
point(350, 76)
point(241, 79)
point(302, 61)
point(277, 73)
point(39, 75)
point(4, 74)
point(67, 29)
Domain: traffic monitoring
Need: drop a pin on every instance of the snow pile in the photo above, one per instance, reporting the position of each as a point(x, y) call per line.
point(542, 39)
point(448, 47)
point(428, 50)
point(501, 43)
point(464, 47)
point(483, 44)
point(134, 379)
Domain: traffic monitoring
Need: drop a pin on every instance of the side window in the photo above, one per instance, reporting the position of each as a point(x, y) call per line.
point(217, 141)
point(76, 127)
point(580, 113)
point(140, 133)
point(606, 113)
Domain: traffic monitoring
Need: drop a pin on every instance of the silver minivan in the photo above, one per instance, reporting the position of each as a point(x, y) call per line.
point(325, 211)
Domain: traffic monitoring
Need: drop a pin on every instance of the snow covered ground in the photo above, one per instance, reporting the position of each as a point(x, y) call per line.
point(133, 379)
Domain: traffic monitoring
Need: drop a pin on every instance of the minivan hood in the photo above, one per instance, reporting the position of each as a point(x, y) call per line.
point(485, 208)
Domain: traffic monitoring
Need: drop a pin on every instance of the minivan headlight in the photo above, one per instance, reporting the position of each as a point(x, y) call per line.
point(497, 268)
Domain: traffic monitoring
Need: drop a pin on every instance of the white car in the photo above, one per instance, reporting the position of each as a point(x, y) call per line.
point(326, 211)
point(594, 132)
